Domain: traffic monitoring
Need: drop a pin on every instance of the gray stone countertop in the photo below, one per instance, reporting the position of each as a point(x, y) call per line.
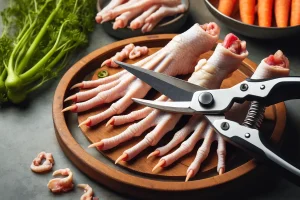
point(28, 129)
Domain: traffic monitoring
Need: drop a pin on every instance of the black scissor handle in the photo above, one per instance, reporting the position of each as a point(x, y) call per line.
point(250, 140)
point(272, 91)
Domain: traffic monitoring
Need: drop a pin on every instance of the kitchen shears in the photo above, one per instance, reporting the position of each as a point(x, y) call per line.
point(191, 99)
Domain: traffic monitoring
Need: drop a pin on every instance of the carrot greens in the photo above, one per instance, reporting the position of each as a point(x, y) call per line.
point(37, 39)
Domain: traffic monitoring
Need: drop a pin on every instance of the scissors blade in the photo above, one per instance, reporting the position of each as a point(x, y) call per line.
point(174, 88)
point(182, 107)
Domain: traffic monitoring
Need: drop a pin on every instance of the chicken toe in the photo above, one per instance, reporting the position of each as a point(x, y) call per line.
point(162, 12)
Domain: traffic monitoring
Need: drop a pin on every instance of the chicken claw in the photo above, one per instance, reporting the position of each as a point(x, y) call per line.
point(183, 50)
point(162, 12)
point(61, 184)
point(204, 75)
point(36, 165)
point(200, 130)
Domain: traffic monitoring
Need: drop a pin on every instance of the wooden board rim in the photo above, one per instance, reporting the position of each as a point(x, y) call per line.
point(91, 166)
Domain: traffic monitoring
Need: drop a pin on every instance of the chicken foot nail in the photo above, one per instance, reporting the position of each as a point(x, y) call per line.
point(203, 152)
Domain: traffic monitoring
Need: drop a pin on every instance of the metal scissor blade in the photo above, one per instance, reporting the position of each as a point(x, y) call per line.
point(168, 106)
point(174, 88)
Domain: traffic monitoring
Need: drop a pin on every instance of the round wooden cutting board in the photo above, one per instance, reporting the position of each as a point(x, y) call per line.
point(140, 180)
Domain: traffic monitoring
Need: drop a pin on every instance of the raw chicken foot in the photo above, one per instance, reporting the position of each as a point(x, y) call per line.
point(204, 75)
point(146, 14)
point(61, 184)
point(183, 50)
point(38, 167)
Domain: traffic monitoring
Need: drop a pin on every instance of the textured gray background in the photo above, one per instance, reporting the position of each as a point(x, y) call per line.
point(27, 129)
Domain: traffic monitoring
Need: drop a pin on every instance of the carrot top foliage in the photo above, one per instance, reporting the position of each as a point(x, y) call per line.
point(37, 38)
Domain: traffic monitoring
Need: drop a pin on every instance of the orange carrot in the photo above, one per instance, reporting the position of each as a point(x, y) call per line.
point(264, 12)
point(226, 6)
point(295, 13)
point(282, 9)
point(247, 11)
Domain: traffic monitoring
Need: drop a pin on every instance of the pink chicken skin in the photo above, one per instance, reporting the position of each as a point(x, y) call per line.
point(39, 166)
point(88, 192)
point(141, 14)
point(182, 50)
point(58, 185)
point(208, 73)
point(138, 51)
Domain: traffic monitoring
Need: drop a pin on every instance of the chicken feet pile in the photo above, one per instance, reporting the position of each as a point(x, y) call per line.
point(208, 73)
point(183, 50)
point(144, 14)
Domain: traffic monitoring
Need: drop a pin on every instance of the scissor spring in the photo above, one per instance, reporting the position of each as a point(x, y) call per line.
point(255, 115)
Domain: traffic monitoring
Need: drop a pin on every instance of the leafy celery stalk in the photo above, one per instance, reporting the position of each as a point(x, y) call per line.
point(38, 38)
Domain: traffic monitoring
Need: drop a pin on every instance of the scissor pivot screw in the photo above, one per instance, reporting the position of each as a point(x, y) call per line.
point(206, 99)
point(225, 126)
point(244, 87)
point(262, 87)
point(247, 135)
